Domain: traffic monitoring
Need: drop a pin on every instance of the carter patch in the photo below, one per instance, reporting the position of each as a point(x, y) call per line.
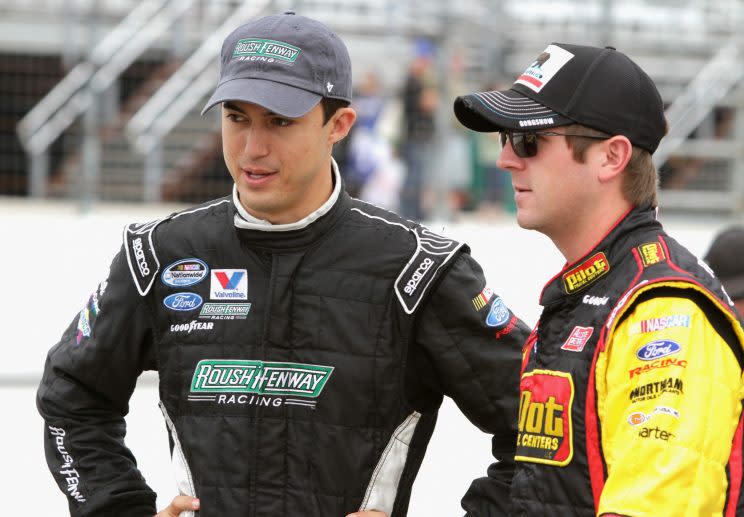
point(545, 428)
point(586, 273)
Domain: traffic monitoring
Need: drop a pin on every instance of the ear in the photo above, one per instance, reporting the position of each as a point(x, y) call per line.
point(341, 123)
point(616, 155)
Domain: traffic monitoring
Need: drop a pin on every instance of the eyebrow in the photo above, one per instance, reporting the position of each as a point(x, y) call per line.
point(234, 107)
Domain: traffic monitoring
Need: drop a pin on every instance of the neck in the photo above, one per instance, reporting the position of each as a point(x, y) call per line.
point(590, 228)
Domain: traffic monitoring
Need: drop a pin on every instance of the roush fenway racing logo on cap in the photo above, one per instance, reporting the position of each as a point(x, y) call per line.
point(586, 273)
point(542, 70)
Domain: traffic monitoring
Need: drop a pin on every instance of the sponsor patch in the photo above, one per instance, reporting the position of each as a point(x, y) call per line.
point(184, 273)
point(508, 328)
point(545, 433)
point(656, 365)
point(192, 326)
point(69, 474)
point(660, 323)
point(141, 257)
point(586, 273)
point(267, 48)
point(578, 339)
point(229, 284)
point(225, 311)
point(89, 314)
point(499, 314)
point(483, 298)
point(653, 390)
point(655, 433)
point(183, 301)
point(595, 300)
point(657, 349)
point(665, 410)
point(651, 253)
point(248, 382)
point(637, 418)
point(542, 70)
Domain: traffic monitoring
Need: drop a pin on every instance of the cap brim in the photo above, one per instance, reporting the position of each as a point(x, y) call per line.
point(282, 99)
point(505, 110)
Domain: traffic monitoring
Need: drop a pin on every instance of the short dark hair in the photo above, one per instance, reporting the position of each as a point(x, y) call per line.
point(331, 106)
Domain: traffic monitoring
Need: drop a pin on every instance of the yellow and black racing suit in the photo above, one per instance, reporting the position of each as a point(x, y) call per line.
point(631, 390)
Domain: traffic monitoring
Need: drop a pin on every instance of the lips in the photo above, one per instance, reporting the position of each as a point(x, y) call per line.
point(257, 175)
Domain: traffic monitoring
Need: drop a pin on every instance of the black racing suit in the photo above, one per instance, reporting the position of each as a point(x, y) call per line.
point(300, 371)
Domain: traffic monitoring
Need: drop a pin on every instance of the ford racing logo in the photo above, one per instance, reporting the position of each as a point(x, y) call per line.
point(499, 314)
point(657, 349)
point(183, 301)
point(185, 272)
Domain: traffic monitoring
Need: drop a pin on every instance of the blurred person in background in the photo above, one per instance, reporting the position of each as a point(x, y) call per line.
point(631, 389)
point(420, 105)
point(304, 340)
point(726, 258)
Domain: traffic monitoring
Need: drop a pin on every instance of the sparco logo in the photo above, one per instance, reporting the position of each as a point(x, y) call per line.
point(189, 327)
point(139, 254)
point(263, 378)
point(413, 282)
point(71, 475)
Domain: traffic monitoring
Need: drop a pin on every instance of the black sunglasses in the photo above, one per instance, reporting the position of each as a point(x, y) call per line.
point(524, 143)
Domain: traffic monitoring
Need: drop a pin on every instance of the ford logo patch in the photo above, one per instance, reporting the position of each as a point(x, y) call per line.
point(183, 301)
point(185, 272)
point(657, 349)
point(498, 315)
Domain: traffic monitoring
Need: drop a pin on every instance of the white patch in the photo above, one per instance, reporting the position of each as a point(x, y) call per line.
point(229, 284)
point(538, 75)
point(329, 87)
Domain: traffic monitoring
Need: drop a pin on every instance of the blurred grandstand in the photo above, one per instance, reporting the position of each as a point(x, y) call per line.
point(101, 98)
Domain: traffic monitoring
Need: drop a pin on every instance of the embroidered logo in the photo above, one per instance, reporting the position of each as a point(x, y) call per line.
point(651, 253)
point(267, 48)
point(578, 339)
point(586, 273)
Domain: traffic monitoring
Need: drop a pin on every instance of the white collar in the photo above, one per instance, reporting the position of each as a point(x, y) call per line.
point(246, 221)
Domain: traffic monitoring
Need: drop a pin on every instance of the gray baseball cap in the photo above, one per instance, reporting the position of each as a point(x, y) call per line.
point(285, 63)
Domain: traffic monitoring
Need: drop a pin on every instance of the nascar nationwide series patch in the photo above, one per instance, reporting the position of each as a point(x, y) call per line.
point(545, 429)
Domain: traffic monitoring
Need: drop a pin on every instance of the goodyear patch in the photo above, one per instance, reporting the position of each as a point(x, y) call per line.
point(586, 273)
point(651, 253)
point(545, 429)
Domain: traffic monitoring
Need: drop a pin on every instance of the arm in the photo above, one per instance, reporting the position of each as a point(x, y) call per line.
point(83, 397)
point(667, 427)
point(472, 345)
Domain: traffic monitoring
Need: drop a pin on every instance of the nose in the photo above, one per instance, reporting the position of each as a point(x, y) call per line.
point(256, 143)
point(508, 159)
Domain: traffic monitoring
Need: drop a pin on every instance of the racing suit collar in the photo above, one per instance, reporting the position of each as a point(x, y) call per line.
point(590, 268)
point(300, 234)
point(246, 221)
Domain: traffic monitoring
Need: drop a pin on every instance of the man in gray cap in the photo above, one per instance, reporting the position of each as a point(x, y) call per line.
point(726, 258)
point(304, 339)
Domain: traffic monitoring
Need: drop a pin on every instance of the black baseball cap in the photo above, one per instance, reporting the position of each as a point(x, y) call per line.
point(567, 84)
point(285, 63)
point(726, 259)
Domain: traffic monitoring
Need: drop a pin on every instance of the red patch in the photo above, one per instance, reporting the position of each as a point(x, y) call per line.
point(578, 339)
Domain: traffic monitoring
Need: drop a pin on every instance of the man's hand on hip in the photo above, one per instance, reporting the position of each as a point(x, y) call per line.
point(179, 504)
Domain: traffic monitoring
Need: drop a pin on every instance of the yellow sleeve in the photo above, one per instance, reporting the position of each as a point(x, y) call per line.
point(668, 393)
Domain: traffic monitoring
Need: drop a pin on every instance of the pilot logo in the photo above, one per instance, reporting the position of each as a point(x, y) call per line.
point(229, 284)
point(545, 430)
point(586, 273)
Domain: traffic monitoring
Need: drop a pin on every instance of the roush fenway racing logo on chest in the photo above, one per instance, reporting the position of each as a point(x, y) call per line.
point(545, 429)
point(257, 383)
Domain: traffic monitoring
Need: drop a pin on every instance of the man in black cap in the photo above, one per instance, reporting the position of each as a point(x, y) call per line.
point(726, 258)
point(631, 387)
point(304, 339)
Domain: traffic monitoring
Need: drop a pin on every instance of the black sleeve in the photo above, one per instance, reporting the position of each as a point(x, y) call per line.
point(84, 395)
point(472, 343)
